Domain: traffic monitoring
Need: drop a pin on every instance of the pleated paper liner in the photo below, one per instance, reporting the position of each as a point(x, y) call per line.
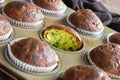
point(55, 14)
point(31, 25)
point(106, 38)
point(58, 17)
point(36, 70)
point(2, 4)
point(84, 32)
point(59, 50)
point(88, 61)
point(4, 39)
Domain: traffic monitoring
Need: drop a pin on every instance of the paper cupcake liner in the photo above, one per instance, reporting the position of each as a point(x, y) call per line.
point(106, 38)
point(90, 62)
point(53, 13)
point(3, 2)
point(6, 36)
point(37, 24)
point(58, 17)
point(27, 67)
point(6, 41)
point(60, 50)
point(83, 32)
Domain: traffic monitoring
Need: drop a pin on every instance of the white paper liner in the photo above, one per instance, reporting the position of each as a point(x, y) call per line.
point(4, 42)
point(55, 17)
point(37, 24)
point(83, 32)
point(27, 67)
point(60, 50)
point(92, 63)
point(2, 3)
point(54, 13)
point(6, 36)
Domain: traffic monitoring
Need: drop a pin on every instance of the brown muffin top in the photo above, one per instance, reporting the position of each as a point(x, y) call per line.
point(115, 38)
point(86, 20)
point(47, 5)
point(5, 26)
point(107, 57)
point(84, 73)
point(35, 52)
point(23, 11)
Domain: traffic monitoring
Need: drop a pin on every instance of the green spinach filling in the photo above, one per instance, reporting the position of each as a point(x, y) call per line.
point(61, 39)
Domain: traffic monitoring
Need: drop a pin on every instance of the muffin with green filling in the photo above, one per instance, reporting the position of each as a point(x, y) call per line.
point(62, 37)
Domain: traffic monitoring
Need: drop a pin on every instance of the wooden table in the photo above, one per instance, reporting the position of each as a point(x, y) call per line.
point(67, 60)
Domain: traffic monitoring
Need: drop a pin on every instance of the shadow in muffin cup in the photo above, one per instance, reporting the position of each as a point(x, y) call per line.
point(106, 37)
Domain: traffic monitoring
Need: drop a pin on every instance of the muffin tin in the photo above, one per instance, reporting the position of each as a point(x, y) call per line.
point(67, 60)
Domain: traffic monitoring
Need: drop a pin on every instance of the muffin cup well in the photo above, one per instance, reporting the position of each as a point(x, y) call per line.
point(83, 32)
point(27, 67)
point(32, 25)
point(60, 50)
point(90, 62)
point(53, 13)
point(6, 36)
point(106, 38)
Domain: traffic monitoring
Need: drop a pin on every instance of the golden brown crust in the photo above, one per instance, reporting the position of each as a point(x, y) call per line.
point(67, 29)
point(107, 57)
point(47, 5)
point(115, 38)
point(85, 19)
point(5, 26)
point(35, 52)
point(23, 11)
point(84, 73)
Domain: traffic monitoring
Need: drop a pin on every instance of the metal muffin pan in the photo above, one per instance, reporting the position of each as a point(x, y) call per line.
point(67, 60)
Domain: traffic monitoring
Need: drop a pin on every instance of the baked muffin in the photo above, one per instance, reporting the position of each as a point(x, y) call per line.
point(34, 54)
point(62, 37)
point(5, 28)
point(23, 13)
point(51, 7)
point(114, 38)
point(83, 73)
point(85, 22)
point(107, 57)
